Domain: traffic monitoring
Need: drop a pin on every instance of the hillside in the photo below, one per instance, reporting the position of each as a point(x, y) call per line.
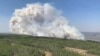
point(23, 45)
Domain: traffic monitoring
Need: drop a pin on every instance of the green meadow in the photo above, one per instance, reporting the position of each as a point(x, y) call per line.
point(23, 45)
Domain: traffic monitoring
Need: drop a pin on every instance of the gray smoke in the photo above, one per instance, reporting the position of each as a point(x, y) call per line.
point(42, 20)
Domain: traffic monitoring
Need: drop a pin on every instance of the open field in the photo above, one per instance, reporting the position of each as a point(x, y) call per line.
point(23, 45)
point(95, 36)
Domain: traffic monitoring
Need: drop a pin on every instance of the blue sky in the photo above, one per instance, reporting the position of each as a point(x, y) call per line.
point(83, 14)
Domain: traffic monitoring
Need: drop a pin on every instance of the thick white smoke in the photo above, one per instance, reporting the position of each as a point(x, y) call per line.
point(43, 20)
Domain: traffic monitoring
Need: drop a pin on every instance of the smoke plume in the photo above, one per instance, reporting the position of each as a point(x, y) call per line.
point(43, 20)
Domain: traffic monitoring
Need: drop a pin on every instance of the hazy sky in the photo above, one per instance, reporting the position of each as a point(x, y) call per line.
point(83, 14)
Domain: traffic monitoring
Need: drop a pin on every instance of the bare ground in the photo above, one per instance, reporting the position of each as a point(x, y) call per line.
point(79, 51)
point(47, 53)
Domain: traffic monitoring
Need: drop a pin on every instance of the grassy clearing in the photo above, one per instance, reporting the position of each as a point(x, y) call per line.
point(22, 45)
